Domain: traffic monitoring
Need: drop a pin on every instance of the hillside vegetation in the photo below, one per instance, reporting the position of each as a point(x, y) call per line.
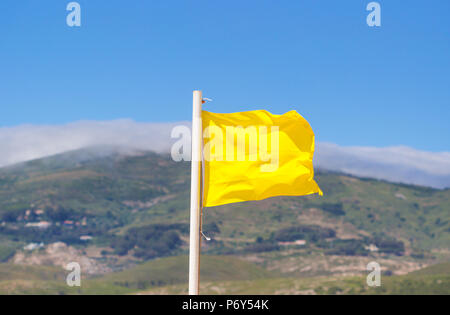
point(123, 211)
point(431, 280)
point(155, 273)
point(220, 275)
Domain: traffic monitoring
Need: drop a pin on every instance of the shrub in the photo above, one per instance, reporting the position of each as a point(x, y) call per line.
point(310, 233)
point(264, 246)
point(390, 246)
point(333, 208)
point(351, 247)
point(149, 241)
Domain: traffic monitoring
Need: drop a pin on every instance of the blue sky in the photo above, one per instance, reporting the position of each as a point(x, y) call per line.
point(356, 85)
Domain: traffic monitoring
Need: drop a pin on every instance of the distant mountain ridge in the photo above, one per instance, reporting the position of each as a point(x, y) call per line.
point(395, 164)
point(107, 186)
point(398, 164)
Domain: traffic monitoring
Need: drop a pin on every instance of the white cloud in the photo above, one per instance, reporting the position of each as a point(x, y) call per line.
point(398, 164)
point(28, 142)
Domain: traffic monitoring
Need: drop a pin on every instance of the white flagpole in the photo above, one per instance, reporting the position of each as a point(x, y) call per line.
point(194, 244)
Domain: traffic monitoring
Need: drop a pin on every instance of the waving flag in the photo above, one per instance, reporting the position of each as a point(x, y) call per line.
point(245, 156)
point(256, 155)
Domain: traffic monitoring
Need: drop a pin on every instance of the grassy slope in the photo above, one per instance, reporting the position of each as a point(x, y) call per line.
point(432, 280)
point(164, 271)
point(220, 275)
point(437, 269)
point(17, 279)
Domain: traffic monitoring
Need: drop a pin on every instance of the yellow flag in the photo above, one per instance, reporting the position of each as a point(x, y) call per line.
point(256, 155)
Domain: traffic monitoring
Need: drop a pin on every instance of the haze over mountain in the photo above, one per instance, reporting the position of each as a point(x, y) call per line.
point(397, 164)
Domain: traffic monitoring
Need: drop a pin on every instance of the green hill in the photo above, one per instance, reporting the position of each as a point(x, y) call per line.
point(136, 209)
point(398, 285)
point(174, 270)
point(219, 275)
point(116, 192)
point(19, 279)
point(156, 273)
point(433, 282)
point(437, 269)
